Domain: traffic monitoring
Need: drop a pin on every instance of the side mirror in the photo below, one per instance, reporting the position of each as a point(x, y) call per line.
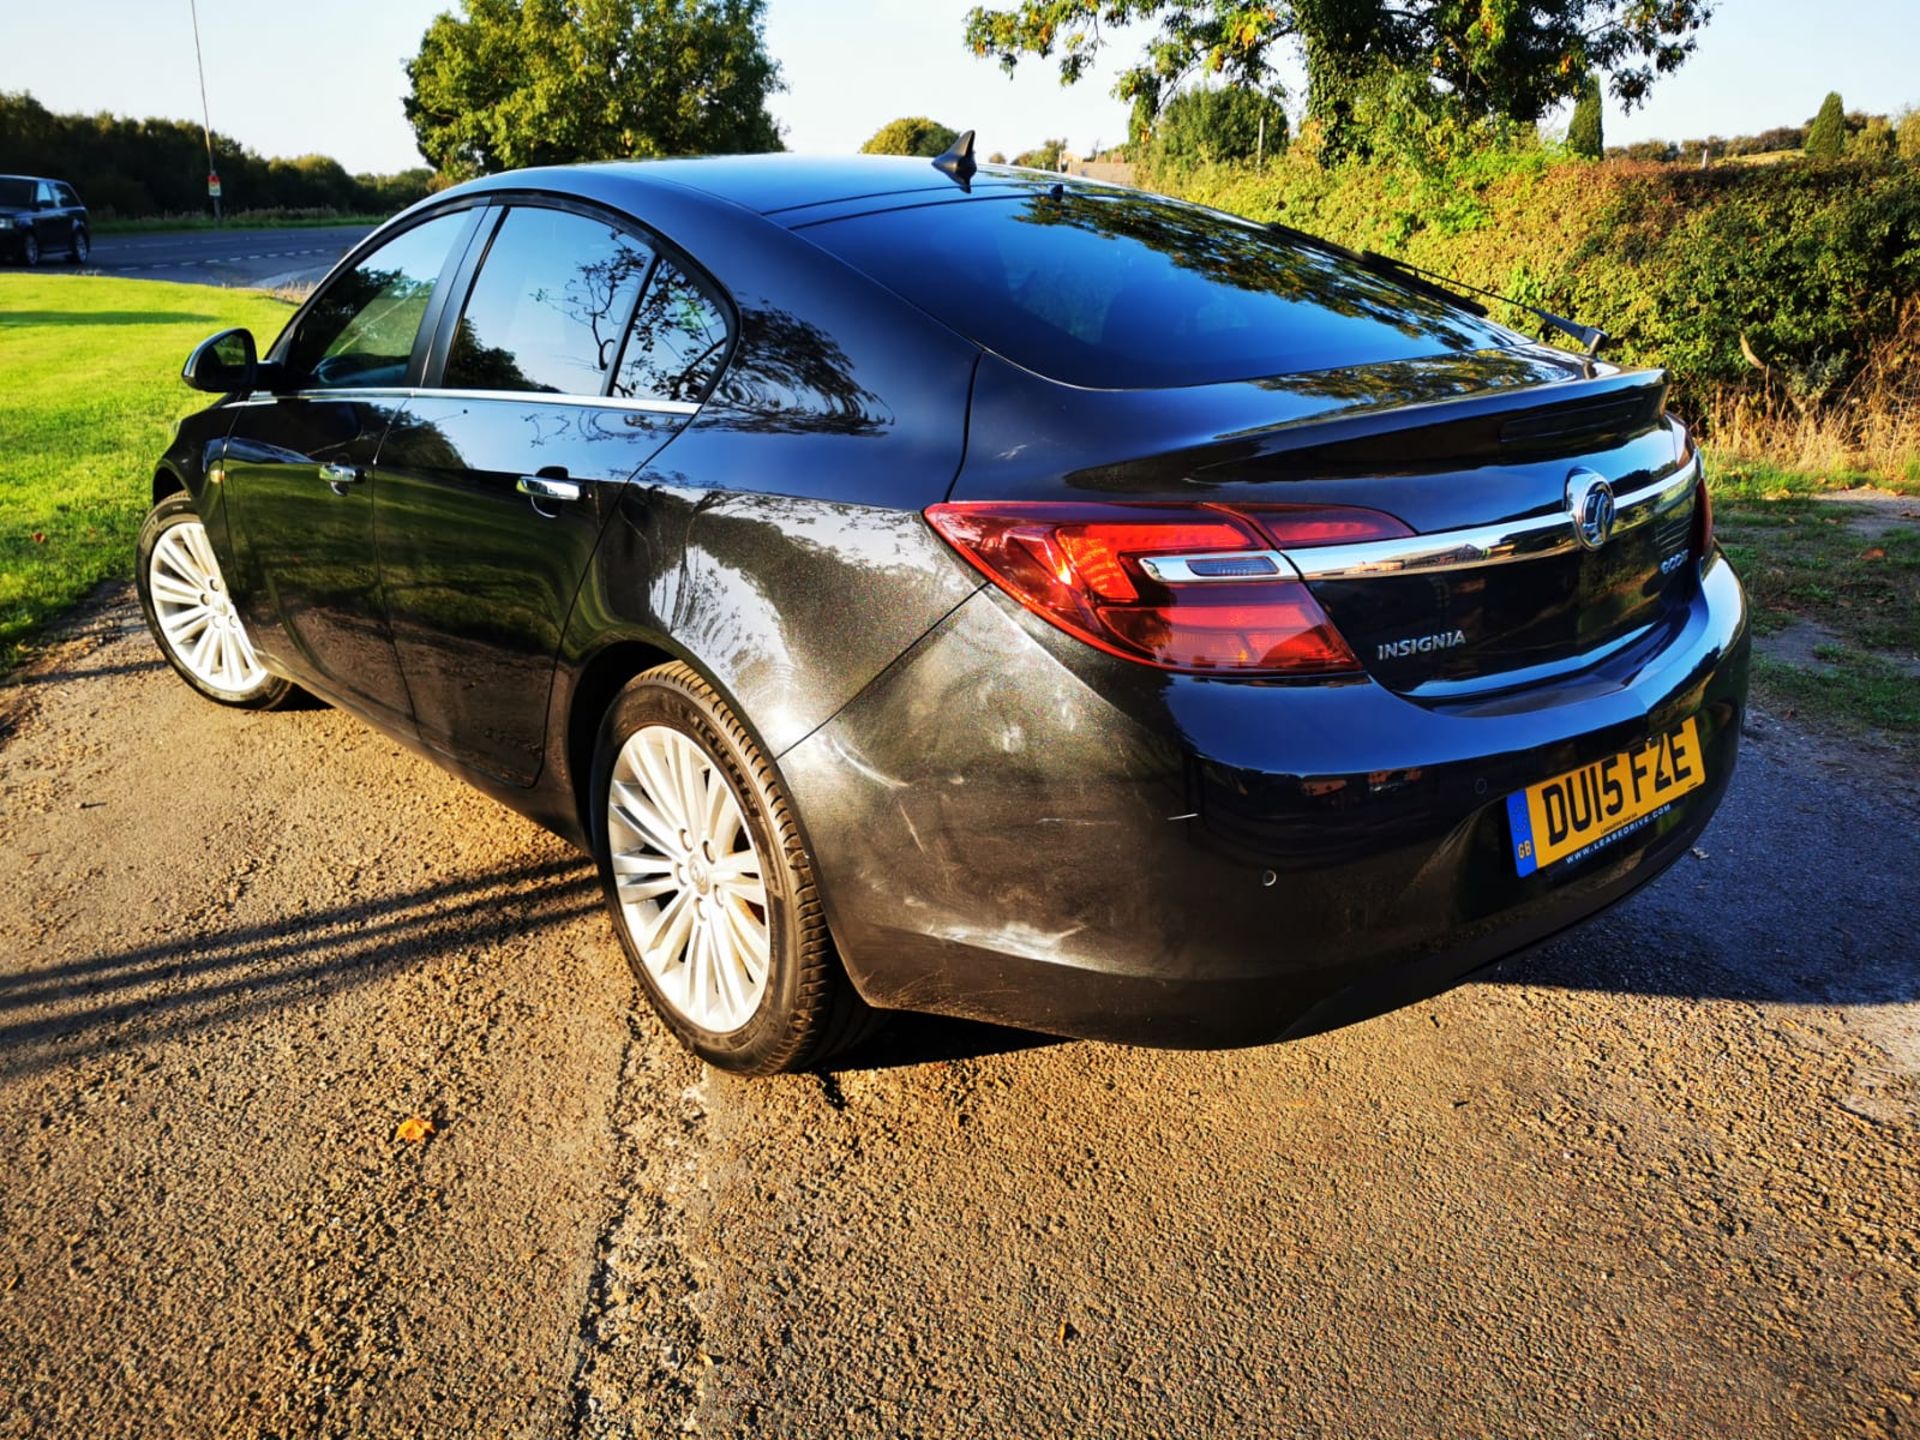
point(223, 363)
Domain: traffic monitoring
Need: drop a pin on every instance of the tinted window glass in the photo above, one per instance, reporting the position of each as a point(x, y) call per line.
point(550, 305)
point(360, 331)
point(15, 192)
point(1124, 291)
point(45, 193)
point(67, 197)
point(678, 342)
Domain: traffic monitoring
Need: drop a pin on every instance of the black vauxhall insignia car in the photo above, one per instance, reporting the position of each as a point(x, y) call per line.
point(972, 591)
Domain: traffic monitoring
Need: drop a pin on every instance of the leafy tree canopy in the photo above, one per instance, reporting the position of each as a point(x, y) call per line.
point(508, 83)
point(1827, 136)
point(911, 135)
point(1504, 59)
point(1044, 156)
point(1203, 126)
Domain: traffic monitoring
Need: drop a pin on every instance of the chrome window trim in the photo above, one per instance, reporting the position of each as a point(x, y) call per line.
point(1483, 545)
point(538, 397)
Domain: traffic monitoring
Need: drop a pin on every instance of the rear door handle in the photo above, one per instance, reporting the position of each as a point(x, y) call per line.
point(339, 476)
point(539, 487)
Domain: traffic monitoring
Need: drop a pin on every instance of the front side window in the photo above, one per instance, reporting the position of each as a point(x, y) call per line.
point(549, 307)
point(359, 332)
point(677, 344)
point(67, 197)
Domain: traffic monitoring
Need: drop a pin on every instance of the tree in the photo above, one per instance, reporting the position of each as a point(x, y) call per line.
point(1045, 156)
point(911, 135)
point(1873, 140)
point(1907, 130)
point(1495, 60)
point(541, 82)
point(1204, 126)
point(1827, 136)
point(1585, 135)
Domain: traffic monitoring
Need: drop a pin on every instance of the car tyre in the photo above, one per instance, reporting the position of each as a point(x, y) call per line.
point(80, 247)
point(191, 616)
point(700, 857)
point(29, 249)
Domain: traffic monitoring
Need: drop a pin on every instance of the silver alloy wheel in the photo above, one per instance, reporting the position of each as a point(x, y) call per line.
point(196, 615)
point(691, 889)
point(82, 247)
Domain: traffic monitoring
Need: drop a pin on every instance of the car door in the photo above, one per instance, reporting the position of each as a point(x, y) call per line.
point(493, 488)
point(53, 225)
point(298, 467)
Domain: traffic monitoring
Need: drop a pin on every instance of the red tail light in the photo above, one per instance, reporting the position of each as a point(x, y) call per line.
point(1702, 518)
point(1195, 588)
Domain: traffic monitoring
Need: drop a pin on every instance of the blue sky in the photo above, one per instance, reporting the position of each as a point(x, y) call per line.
point(326, 76)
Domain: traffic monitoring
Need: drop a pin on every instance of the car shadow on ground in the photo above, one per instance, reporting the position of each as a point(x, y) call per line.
point(51, 1013)
point(908, 1039)
point(67, 674)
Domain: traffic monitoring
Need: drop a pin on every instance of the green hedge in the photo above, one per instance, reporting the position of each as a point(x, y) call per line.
point(1811, 263)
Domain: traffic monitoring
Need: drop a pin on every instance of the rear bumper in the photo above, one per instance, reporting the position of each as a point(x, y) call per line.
point(1011, 827)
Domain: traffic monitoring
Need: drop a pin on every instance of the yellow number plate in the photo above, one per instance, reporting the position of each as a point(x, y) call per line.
point(1601, 802)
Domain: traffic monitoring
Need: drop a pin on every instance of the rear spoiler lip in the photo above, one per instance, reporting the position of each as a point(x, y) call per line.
point(1351, 424)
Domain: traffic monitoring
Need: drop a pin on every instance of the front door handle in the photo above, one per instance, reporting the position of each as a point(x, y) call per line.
point(339, 476)
point(540, 487)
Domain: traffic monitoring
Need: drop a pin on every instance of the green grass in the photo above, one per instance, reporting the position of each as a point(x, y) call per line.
point(1854, 691)
point(1735, 477)
point(91, 371)
point(1808, 558)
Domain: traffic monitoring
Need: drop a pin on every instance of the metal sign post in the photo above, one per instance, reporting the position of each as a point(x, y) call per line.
point(206, 120)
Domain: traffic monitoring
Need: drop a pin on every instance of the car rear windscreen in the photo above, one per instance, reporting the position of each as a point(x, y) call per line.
point(1115, 290)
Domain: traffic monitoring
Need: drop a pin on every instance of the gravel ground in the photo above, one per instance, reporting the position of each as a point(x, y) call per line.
point(1659, 1178)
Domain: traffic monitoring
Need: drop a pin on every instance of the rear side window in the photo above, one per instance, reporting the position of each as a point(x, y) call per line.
point(1125, 291)
point(677, 344)
point(550, 306)
point(359, 331)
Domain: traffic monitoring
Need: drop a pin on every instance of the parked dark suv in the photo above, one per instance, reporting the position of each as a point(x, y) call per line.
point(39, 218)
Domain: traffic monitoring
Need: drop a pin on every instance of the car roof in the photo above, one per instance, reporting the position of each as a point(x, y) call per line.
point(781, 184)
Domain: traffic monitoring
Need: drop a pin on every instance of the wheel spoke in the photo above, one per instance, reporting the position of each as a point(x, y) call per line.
point(183, 624)
point(686, 778)
point(668, 936)
point(656, 779)
point(749, 942)
point(726, 968)
point(749, 890)
point(171, 590)
point(714, 808)
point(740, 863)
point(634, 809)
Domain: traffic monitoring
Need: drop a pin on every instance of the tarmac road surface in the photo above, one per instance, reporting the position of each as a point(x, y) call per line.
point(1658, 1179)
point(294, 256)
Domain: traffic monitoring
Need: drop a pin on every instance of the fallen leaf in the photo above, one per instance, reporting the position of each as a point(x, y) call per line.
point(39, 537)
point(414, 1129)
point(1874, 552)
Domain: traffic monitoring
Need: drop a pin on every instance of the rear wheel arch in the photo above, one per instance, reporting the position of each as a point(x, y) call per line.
point(602, 677)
